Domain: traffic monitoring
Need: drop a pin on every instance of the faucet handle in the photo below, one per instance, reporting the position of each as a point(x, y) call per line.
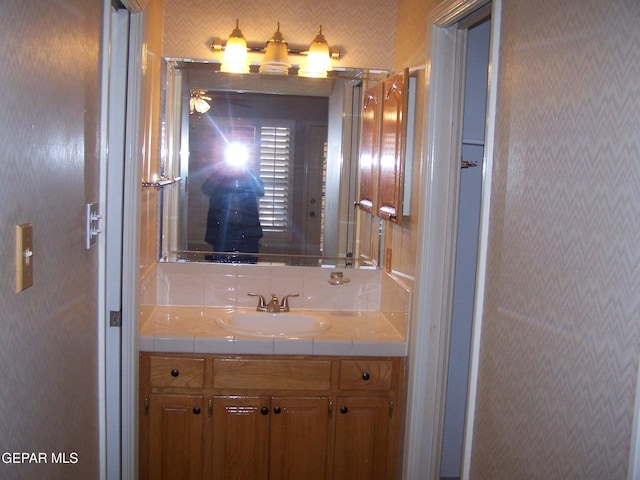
point(284, 306)
point(262, 304)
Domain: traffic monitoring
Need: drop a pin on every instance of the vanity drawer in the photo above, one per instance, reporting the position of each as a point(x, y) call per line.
point(366, 374)
point(268, 374)
point(167, 371)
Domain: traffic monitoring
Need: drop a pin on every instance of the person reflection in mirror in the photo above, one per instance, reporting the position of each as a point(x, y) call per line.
point(233, 222)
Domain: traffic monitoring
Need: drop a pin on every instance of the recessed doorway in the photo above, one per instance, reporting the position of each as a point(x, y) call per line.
point(468, 227)
point(433, 326)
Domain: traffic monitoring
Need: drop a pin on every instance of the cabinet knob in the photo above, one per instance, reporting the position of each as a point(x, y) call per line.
point(343, 409)
point(277, 410)
point(366, 376)
point(264, 410)
point(175, 372)
point(196, 410)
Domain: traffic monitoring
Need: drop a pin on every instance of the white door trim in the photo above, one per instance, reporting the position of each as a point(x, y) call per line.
point(428, 349)
point(122, 74)
point(102, 322)
point(483, 241)
point(113, 232)
point(113, 104)
point(131, 245)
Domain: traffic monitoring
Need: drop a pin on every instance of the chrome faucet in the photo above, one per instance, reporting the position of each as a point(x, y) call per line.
point(262, 305)
point(273, 306)
point(284, 306)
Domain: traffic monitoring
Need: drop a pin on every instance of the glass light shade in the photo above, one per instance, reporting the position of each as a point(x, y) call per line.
point(201, 105)
point(318, 60)
point(234, 59)
point(198, 104)
point(276, 58)
point(235, 56)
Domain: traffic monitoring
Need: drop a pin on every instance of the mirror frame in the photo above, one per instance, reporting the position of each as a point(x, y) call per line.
point(341, 215)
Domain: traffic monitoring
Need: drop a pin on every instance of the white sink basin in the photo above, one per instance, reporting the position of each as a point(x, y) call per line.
point(264, 324)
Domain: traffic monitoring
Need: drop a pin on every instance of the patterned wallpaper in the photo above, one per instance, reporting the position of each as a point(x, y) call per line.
point(561, 329)
point(49, 112)
point(364, 29)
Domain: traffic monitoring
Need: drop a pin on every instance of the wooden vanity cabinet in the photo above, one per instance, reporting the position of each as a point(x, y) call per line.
point(366, 420)
point(173, 408)
point(240, 447)
point(269, 437)
point(277, 417)
point(392, 146)
point(369, 146)
point(362, 439)
point(382, 147)
point(175, 433)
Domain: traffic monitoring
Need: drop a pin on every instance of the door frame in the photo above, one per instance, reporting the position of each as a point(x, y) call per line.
point(122, 75)
point(428, 343)
point(134, 126)
point(114, 105)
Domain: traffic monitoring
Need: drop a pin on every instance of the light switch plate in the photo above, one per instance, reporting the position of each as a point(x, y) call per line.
point(24, 256)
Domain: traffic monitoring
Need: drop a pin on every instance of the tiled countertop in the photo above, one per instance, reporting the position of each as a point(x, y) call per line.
point(195, 330)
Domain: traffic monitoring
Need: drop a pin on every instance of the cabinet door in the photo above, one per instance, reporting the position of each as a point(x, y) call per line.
point(240, 438)
point(362, 439)
point(369, 150)
point(299, 434)
point(175, 437)
point(392, 145)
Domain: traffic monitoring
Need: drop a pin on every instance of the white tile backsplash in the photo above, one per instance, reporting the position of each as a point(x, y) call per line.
point(226, 286)
point(220, 285)
point(178, 284)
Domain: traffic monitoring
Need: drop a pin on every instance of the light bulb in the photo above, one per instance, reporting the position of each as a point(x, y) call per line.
point(234, 59)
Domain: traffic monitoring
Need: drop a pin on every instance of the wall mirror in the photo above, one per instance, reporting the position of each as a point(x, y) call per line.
point(260, 168)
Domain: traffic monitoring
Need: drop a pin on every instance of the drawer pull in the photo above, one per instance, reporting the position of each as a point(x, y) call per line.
point(277, 410)
point(343, 409)
point(264, 411)
point(175, 372)
point(366, 376)
point(196, 410)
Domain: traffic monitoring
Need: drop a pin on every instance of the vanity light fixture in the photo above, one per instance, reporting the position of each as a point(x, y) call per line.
point(276, 61)
point(198, 102)
point(318, 61)
point(276, 58)
point(235, 53)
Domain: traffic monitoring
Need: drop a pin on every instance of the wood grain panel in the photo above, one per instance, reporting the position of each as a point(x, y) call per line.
point(266, 374)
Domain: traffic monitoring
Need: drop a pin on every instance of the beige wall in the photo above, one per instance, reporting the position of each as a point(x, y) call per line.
point(364, 30)
point(561, 337)
point(151, 156)
point(411, 52)
point(49, 124)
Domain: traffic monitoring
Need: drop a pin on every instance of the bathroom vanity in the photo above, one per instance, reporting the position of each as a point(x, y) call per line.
point(280, 417)
point(221, 405)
